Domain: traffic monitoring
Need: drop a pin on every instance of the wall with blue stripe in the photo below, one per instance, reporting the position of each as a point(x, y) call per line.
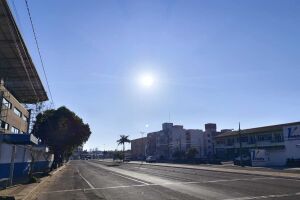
point(22, 169)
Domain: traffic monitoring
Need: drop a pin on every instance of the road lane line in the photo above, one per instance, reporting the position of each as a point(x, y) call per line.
point(91, 186)
point(140, 167)
point(133, 179)
point(89, 189)
point(266, 196)
point(239, 179)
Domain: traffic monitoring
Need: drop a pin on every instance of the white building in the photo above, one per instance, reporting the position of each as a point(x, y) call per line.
point(279, 142)
point(172, 138)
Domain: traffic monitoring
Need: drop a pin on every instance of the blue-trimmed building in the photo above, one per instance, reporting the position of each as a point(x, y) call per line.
point(279, 144)
point(20, 88)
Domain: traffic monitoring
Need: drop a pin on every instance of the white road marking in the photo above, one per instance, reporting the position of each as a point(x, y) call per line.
point(91, 186)
point(170, 183)
point(238, 179)
point(86, 189)
point(133, 179)
point(266, 196)
point(140, 167)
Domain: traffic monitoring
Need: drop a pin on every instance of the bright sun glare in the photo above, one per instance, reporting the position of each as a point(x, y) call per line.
point(146, 80)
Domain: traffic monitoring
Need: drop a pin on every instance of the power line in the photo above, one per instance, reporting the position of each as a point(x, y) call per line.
point(39, 52)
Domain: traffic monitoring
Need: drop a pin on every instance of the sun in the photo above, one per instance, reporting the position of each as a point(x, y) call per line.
point(146, 80)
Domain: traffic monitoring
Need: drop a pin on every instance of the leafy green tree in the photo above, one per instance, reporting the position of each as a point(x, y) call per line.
point(178, 155)
point(191, 153)
point(122, 141)
point(62, 130)
point(118, 155)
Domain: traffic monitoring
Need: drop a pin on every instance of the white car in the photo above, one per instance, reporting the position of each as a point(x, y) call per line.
point(150, 159)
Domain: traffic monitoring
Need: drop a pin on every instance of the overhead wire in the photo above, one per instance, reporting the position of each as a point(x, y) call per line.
point(39, 52)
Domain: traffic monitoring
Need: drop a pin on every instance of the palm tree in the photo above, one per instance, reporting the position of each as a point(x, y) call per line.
point(123, 139)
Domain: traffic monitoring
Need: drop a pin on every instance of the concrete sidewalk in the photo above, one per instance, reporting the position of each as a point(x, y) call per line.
point(25, 191)
point(240, 170)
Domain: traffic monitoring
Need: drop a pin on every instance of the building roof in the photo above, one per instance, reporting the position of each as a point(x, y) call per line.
point(137, 139)
point(263, 129)
point(16, 66)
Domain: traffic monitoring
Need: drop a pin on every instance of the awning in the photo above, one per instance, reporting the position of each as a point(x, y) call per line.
point(16, 67)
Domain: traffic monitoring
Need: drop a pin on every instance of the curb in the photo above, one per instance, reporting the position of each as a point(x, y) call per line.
point(52, 173)
point(239, 171)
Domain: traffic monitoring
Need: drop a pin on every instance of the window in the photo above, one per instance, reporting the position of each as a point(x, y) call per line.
point(15, 130)
point(230, 141)
point(252, 139)
point(4, 125)
point(264, 137)
point(6, 103)
point(278, 137)
point(220, 141)
point(243, 139)
point(17, 112)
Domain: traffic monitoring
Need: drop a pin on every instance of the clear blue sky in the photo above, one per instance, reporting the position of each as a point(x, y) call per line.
point(212, 61)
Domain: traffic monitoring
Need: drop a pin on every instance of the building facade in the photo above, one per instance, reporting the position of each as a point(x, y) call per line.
point(208, 139)
point(20, 152)
point(279, 142)
point(14, 118)
point(138, 148)
point(164, 144)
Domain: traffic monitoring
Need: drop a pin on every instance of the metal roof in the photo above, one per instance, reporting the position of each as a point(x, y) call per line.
point(263, 129)
point(16, 66)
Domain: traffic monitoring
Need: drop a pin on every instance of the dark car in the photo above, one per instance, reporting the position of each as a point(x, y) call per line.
point(246, 160)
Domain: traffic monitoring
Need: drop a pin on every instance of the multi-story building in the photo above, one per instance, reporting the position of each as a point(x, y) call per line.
point(279, 142)
point(208, 139)
point(151, 143)
point(172, 138)
point(138, 148)
point(20, 84)
point(14, 117)
point(195, 139)
point(77, 152)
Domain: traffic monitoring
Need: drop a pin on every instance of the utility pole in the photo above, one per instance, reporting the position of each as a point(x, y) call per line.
point(241, 155)
point(12, 165)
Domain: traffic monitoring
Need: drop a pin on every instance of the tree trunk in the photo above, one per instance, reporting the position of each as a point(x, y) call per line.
point(123, 152)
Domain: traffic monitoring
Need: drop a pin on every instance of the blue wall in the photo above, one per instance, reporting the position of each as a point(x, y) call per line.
point(22, 169)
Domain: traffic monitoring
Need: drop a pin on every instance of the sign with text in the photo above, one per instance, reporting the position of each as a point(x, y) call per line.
point(292, 132)
point(259, 157)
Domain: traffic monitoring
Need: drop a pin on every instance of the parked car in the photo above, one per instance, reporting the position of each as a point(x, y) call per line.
point(127, 159)
point(246, 160)
point(150, 159)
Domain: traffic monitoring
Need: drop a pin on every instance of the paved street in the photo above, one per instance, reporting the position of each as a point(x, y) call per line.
point(94, 180)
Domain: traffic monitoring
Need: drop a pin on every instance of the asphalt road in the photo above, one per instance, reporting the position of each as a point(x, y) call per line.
point(95, 180)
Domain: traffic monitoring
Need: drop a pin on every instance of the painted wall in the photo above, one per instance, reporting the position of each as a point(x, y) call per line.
point(23, 157)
